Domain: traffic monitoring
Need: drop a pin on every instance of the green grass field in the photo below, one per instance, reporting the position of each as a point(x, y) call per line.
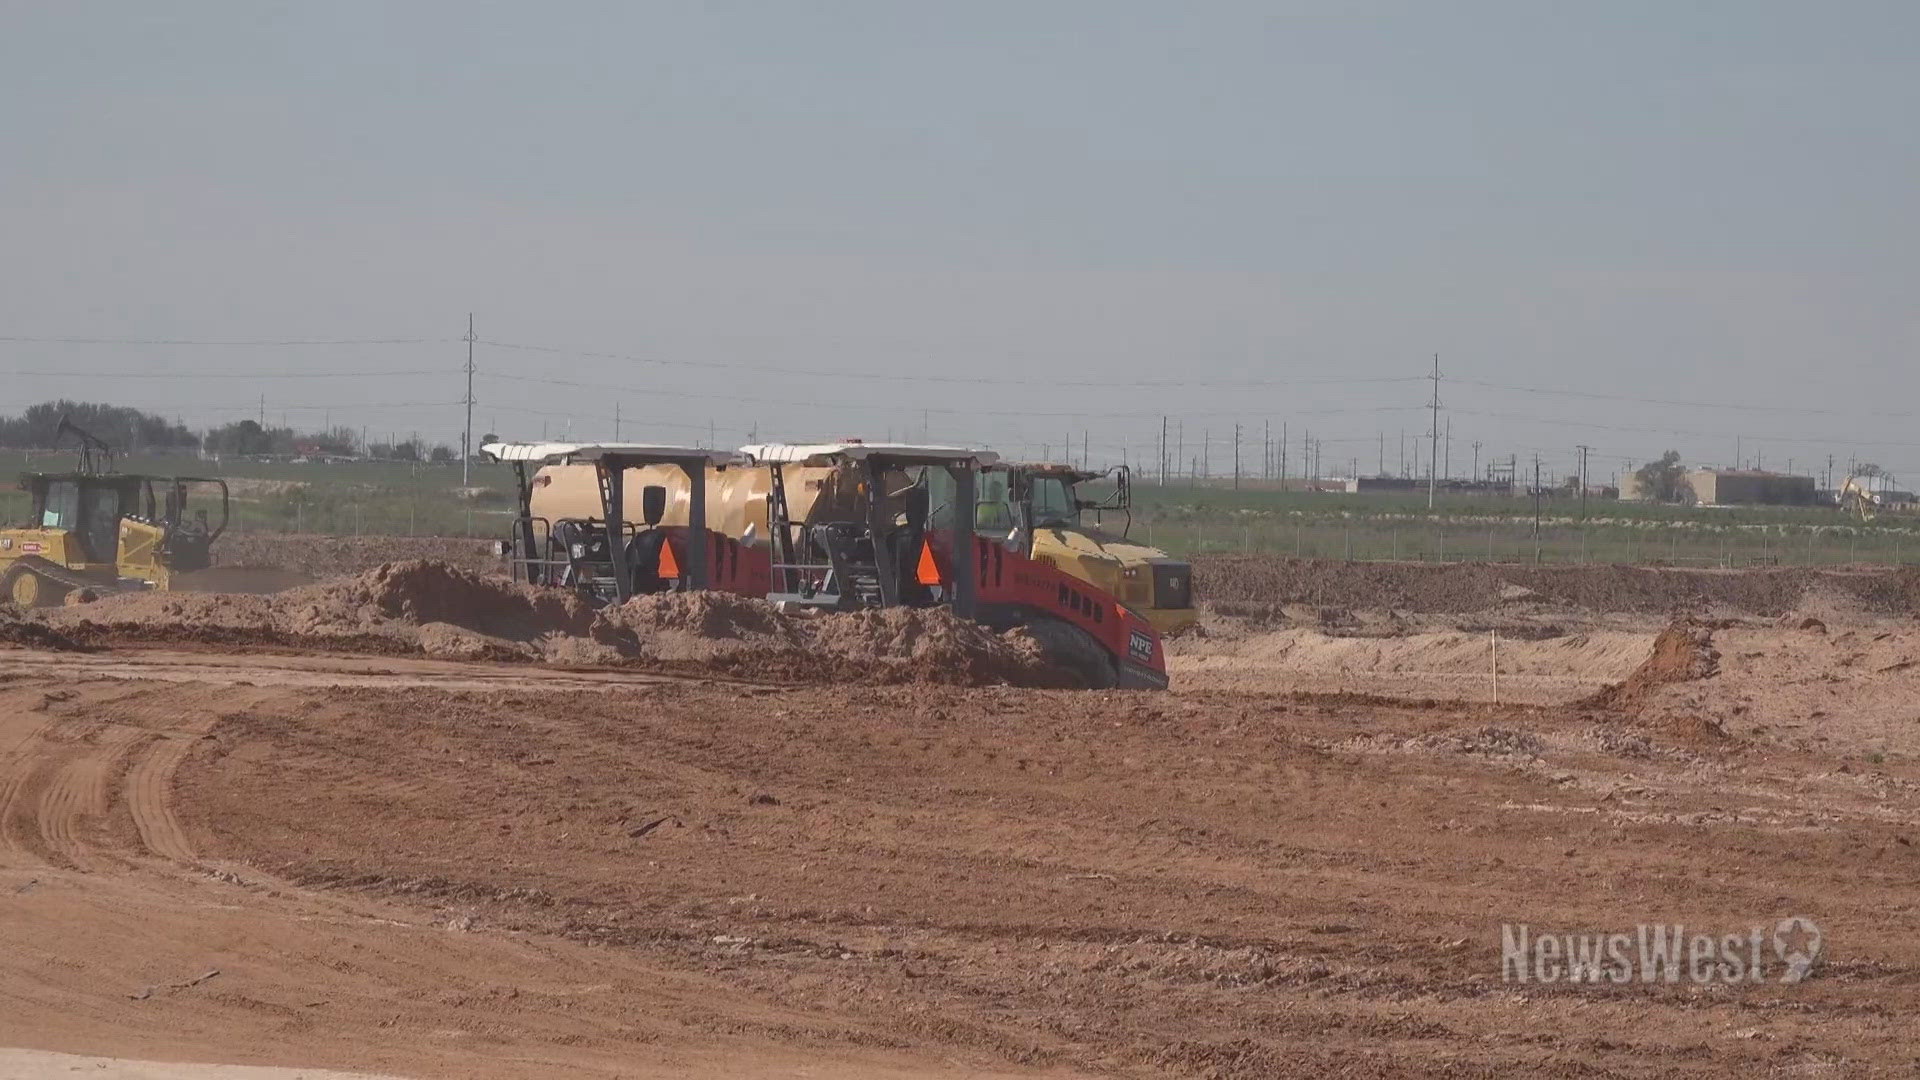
point(395, 498)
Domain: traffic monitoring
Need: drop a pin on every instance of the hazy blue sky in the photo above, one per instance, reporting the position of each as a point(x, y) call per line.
point(1053, 202)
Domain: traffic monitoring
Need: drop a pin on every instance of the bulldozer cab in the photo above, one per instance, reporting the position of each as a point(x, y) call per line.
point(1019, 497)
point(90, 507)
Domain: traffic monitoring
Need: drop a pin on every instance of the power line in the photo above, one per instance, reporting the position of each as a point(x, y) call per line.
point(68, 373)
point(255, 343)
point(895, 376)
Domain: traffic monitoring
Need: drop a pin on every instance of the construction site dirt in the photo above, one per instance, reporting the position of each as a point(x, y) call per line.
point(417, 821)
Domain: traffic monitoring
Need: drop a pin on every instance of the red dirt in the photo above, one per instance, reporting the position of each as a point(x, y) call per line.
point(437, 868)
point(436, 609)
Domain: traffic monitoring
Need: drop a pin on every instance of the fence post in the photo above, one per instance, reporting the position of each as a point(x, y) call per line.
point(1349, 543)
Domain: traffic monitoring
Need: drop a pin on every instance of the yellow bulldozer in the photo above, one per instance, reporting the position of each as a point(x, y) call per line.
point(95, 531)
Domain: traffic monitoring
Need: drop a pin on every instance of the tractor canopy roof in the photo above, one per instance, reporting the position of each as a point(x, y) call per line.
point(836, 453)
point(555, 453)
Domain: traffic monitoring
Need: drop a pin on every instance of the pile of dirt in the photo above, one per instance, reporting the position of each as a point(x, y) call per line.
point(1458, 588)
point(384, 609)
point(21, 629)
point(750, 638)
point(438, 609)
point(1683, 652)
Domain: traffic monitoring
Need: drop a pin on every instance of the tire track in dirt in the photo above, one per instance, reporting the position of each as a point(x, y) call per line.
point(21, 732)
point(148, 797)
point(72, 797)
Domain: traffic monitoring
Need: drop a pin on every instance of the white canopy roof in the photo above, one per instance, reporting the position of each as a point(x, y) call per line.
point(551, 453)
point(827, 453)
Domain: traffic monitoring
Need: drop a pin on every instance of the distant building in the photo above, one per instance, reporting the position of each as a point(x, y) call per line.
point(1751, 487)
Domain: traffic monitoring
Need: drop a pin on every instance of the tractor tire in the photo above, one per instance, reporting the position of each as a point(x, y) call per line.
point(1075, 650)
point(28, 588)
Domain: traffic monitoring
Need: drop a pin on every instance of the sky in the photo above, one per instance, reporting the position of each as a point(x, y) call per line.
point(1635, 226)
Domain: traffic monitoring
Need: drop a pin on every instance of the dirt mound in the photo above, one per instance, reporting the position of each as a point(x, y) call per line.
point(384, 609)
point(438, 609)
point(18, 628)
point(1682, 653)
point(421, 591)
point(748, 637)
point(932, 645)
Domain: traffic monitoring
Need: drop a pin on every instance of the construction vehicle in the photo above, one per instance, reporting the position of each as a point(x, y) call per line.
point(571, 547)
point(1040, 502)
point(913, 538)
point(95, 531)
point(838, 526)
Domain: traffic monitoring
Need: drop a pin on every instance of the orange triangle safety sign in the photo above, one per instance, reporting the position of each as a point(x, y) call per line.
point(669, 566)
point(928, 572)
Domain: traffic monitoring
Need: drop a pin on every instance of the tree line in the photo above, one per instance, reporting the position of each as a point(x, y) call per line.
point(130, 430)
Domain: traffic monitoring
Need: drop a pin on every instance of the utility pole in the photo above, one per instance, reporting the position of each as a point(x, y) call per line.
point(1583, 448)
point(1447, 469)
point(1180, 444)
point(1433, 434)
point(1403, 452)
point(1236, 457)
point(1163, 449)
point(616, 421)
point(466, 435)
point(1206, 454)
point(263, 410)
point(1306, 458)
point(1476, 460)
point(1536, 496)
point(1283, 455)
point(1383, 453)
point(1266, 451)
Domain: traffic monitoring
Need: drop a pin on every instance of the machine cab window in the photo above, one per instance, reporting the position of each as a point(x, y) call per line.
point(62, 509)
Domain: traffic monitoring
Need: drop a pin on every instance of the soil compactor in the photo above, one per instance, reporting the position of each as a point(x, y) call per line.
point(834, 526)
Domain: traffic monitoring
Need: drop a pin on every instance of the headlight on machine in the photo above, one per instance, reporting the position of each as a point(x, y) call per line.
point(579, 550)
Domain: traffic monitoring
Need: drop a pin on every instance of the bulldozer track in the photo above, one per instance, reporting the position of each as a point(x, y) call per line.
point(54, 572)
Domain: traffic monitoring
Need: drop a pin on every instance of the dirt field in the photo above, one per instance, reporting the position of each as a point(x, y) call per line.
point(355, 830)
